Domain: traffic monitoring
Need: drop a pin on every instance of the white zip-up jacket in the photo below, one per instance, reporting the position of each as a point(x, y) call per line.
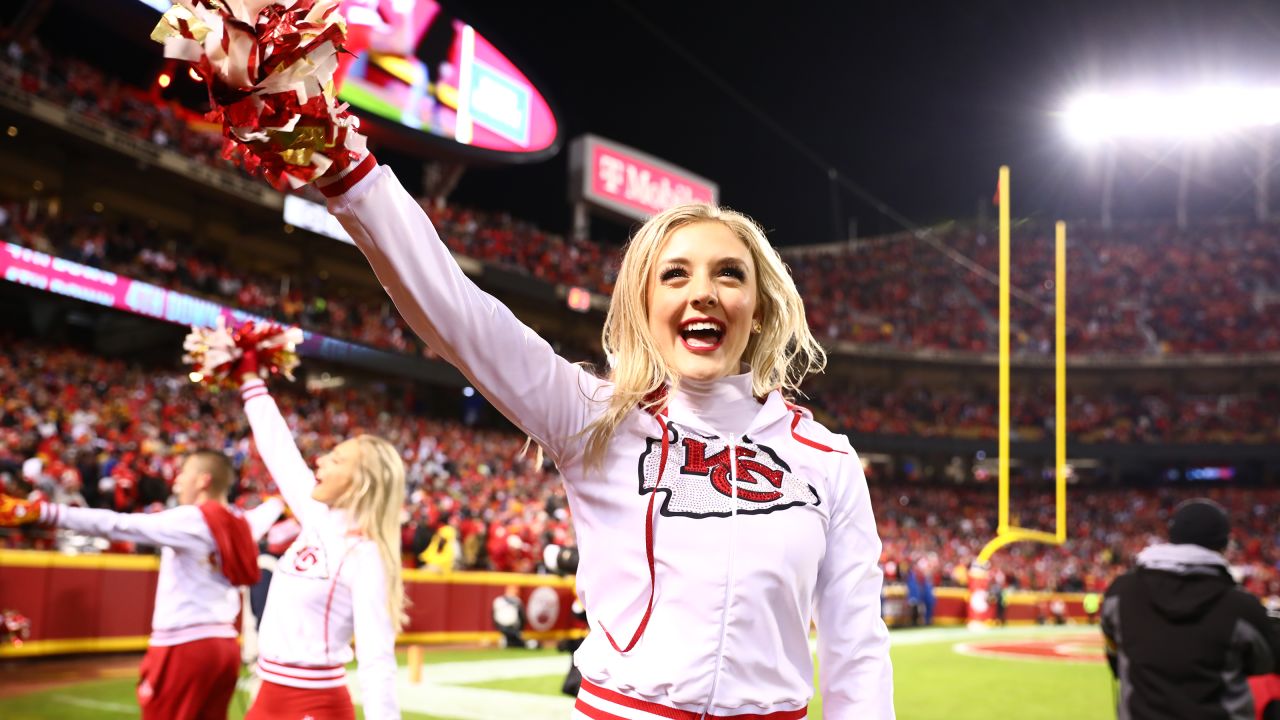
point(746, 554)
point(194, 600)
point(327, 587)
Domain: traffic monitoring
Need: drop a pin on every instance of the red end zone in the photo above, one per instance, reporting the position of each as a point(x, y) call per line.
point(1080, 649)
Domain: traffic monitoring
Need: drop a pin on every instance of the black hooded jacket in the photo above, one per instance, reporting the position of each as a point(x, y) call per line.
point(1182, 638)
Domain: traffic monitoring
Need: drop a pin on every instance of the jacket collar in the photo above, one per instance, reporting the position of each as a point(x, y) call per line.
point(733, 390)
point(1182, 559)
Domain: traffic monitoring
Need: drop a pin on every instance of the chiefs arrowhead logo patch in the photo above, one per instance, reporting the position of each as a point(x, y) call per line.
point(305, 557)
point(698, 479)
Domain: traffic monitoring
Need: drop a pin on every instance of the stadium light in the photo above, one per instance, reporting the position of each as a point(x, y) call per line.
point(1194, 114)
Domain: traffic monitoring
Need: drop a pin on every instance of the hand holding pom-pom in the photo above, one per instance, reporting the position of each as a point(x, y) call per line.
point(268, 66)
point(15, 628)
point(222, 356)
point(16, 513)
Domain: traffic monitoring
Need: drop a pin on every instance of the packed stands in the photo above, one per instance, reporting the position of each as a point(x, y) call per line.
point(1144, 288)
point(1116, 416)
point(82, 428)
point(1141, 289)
point(491, 237)
point(78, 427)
point(136, 250)
point(947, 528)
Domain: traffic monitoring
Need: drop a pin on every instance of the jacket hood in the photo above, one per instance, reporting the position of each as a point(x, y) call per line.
point(1183, 581)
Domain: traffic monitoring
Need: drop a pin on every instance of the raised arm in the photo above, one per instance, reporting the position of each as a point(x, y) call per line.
point(181, 528)
point(542, 393)
point(262, 517)
point(279, 451)
point(856, 676)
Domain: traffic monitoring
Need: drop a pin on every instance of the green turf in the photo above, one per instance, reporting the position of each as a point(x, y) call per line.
point(539, 685)
point(103, 699)
point(434, 657)
point(932, 681)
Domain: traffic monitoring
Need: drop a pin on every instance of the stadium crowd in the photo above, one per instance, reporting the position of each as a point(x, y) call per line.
point(80, 428)
point(942, 530)
point(491, 237)
point(138, 251)
point(84, 429)
point(1144, 288)
point(1116, 416)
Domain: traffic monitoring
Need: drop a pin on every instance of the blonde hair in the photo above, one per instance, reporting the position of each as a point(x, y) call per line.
point(780, 355)
point(375, 499)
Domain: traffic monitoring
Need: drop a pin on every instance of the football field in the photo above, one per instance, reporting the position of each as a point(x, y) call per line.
point(940, 673)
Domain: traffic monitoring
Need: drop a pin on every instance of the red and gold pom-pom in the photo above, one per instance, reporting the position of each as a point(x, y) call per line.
point(268, 66)
point(220, 356)
point(15, 628)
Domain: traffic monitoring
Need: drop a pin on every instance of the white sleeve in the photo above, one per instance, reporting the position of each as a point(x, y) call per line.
point(181, 528)
point(261, 518)
point(545, 395)
point(274, 439)
point(855, 674)
point(375, 640)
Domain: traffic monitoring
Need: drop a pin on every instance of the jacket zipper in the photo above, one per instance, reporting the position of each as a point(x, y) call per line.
point(728, 584)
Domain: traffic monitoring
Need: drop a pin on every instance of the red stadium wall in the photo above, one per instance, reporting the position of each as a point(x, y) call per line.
point(87, 603)
point(1025, 608)
point(103, 603)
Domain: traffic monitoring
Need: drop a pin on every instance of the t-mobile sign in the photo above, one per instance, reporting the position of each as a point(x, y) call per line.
point(632, 183)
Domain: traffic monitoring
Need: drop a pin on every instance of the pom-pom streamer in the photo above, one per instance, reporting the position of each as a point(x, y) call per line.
point(268, 66)
point(220, 355)
point(15, 628)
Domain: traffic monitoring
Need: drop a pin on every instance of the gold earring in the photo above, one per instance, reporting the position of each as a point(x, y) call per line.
point(757, 328)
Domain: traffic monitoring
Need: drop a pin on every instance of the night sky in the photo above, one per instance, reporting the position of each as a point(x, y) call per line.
point(917, 103)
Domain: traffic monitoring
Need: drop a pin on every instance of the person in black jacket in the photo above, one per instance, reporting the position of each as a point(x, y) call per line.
point(1182, 638)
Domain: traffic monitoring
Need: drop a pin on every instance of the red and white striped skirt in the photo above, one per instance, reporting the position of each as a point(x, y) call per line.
point(597, 703)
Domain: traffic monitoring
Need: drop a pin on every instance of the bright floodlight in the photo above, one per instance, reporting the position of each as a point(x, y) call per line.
point(1194, 114)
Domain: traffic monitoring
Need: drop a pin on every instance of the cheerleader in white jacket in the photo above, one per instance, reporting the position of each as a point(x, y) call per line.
point(339, 579)
point(715, 520)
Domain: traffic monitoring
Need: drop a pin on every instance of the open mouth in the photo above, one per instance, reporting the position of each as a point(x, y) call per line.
point(702, 334)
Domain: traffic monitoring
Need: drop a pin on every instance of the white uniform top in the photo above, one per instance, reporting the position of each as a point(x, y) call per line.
point(328, 586)
point(747, 553)
point(194, 600)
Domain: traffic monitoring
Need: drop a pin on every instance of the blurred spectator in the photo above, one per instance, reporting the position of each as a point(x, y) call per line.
point(1182, 638)
point(1143, 288)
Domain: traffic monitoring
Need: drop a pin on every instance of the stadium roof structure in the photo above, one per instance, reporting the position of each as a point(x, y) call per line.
point(1190, 118)
point(1191, 114)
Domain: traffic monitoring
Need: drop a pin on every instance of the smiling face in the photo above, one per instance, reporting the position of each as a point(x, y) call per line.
point(335, 471)
point(701, 300)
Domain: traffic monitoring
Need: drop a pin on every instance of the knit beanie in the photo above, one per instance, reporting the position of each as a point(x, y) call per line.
point(1200, 522)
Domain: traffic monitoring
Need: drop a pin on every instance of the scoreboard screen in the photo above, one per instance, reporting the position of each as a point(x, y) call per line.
point(412, 64)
